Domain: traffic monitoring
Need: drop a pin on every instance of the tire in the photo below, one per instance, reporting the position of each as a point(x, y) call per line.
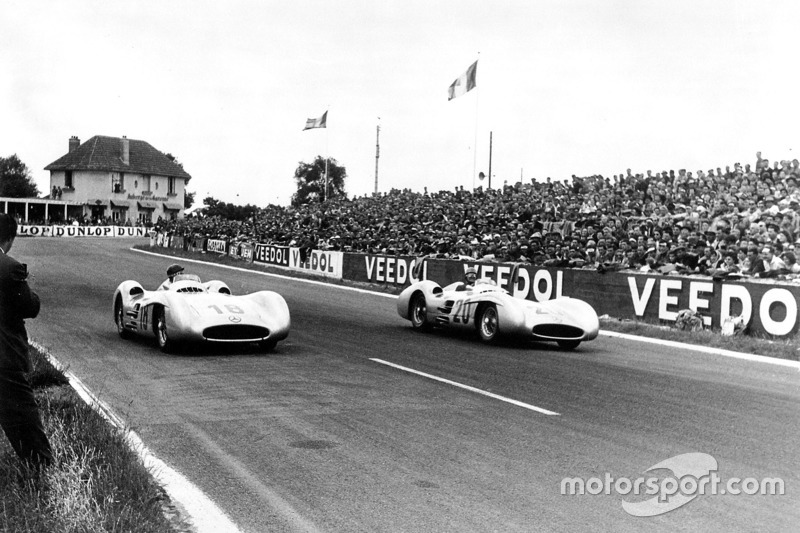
point(568, 345)
point(488, 324)
point(119, 319)
point(418, 312)
point(160, 328)
point(267, 345)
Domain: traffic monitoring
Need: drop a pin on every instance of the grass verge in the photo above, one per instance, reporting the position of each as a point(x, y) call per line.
point(781, 349)
point(97, 482)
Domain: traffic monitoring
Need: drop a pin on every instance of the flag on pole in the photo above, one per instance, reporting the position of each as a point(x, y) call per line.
point(464, 83)
point(320, 122)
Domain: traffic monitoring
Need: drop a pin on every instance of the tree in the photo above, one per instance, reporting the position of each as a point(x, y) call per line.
point(188, 199)
point(310, 180)
point(174, 159)
point(227, 211)
point(15, 179)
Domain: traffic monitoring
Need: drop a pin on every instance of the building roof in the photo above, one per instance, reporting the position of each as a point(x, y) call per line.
point(105, 154)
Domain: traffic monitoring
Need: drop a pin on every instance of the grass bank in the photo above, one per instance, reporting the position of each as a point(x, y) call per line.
point(782, 349)
point(96, 484)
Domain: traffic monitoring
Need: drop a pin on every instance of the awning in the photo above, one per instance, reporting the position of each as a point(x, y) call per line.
point(172, 207)
point(96, 201)
point(147, 205)
point(120, 203)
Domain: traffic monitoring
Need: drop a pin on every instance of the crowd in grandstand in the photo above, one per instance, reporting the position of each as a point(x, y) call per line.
point(740, 221)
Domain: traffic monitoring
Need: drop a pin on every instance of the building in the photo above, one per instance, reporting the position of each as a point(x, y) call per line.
point(119, 179)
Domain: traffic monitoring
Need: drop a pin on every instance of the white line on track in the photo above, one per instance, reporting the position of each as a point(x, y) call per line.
point(467, 387)
point(198, 509)
point(707, 349)
point(681, 345)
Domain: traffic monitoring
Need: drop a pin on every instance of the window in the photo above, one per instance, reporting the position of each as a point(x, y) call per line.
point(68, 179)
point(116, 182)
point(171, 185)
point(146, 182)
point(145, 217)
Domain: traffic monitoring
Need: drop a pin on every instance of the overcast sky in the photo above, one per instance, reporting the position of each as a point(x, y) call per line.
point(566, 86)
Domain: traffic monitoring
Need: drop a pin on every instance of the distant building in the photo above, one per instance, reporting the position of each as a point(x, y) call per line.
point(119, 178)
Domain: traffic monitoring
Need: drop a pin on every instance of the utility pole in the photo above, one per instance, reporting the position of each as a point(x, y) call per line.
point(377, 152)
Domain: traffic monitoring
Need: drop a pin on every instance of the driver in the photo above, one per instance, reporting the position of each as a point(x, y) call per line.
point(172, 271)
point(470, 276)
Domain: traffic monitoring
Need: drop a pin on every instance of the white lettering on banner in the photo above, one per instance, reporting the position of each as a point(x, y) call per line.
point(522, 292)
point(395, 270)
point(738, 292)
point(699, 304)
point(402, 270)
point(550, 287)
point(216, 245)
point(500, 274)
point(784, 297)
point(669, 289)
point(640, 301)
point(323, 262)
point(665, 299)
point(276, 255)
point(486, 272)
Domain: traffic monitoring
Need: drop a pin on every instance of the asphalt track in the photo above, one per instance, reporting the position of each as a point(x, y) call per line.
point(318, 436)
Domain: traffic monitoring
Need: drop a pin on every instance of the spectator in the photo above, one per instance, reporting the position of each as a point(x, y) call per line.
point(754, 263)
point(19, 414)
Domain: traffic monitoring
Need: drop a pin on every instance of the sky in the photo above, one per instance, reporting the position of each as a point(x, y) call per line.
point(564, 87)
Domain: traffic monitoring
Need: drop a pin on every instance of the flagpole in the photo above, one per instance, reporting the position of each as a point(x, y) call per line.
point(325, 192)
point(377, 152)
point(475, 143)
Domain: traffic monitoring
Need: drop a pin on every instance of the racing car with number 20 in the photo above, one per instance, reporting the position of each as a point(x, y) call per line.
point(191, 311)
point(492, 311)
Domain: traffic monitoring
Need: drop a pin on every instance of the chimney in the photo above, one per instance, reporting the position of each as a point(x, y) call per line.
point(126, 151)
point(74, 142)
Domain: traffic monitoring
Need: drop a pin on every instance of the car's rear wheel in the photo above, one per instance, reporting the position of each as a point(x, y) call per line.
point(160, 327)
point(119, 319)
point(488, 323)
point(419, 312)
point(568, 345)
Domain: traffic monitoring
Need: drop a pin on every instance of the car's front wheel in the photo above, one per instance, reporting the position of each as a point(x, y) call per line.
point(162, 334)
point(119, 319)
point(267, 345)
point(568, 345)
point(488, 323)
point(419, 312)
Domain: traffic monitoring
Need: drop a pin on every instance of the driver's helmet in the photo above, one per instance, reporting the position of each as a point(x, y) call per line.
point(173, 270)
point(470, 276)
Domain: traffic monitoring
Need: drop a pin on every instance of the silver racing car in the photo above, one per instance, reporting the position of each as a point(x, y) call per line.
point(191, 311)
point(492, 311)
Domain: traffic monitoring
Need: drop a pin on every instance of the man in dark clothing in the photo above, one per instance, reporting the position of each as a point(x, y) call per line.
point(756, 264)
point(19, 414)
